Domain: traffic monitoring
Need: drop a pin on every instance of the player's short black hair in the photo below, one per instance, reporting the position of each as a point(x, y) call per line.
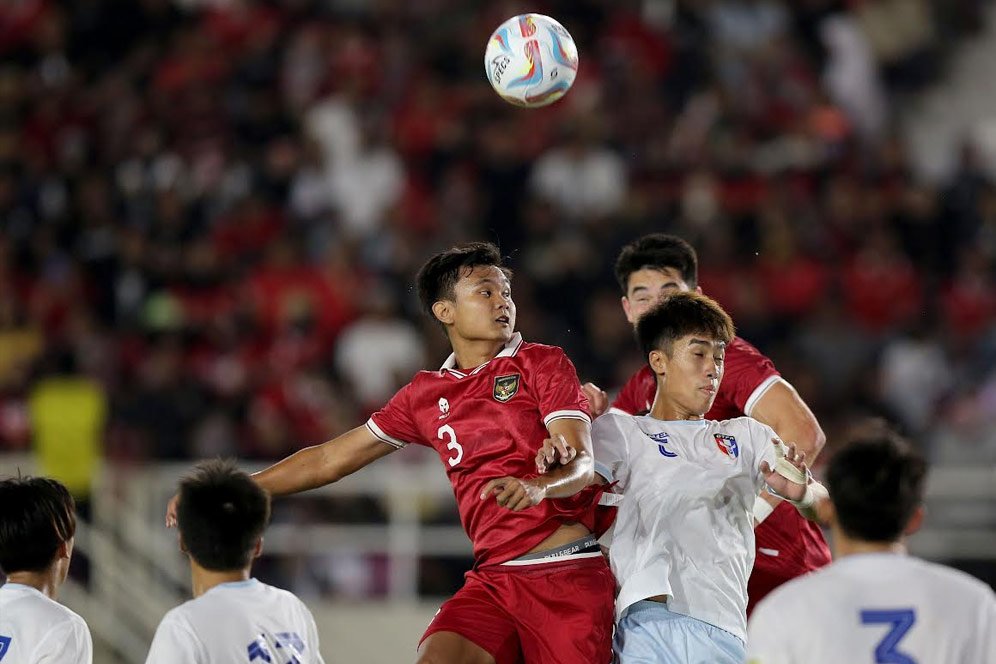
point(437, 278)
point(657, 251)
point(37, 514)
point(876, 482)
point(221, 514)
point(681, 314)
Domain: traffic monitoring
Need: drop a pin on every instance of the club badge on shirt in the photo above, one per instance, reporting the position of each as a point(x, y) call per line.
point(727, 445)
point(506, 387)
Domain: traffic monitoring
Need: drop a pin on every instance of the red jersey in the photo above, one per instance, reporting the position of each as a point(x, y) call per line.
point(788, 545)
point(746, 376)
point(488, 423)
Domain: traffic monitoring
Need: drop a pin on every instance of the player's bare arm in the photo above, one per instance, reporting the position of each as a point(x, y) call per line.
point(315, 466)
point(570, 473)
point(782, 409)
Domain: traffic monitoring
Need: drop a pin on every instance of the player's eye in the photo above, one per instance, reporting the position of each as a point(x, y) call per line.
point(486, 293)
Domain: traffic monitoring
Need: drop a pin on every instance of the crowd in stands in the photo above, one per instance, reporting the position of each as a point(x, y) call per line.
point(211, 212)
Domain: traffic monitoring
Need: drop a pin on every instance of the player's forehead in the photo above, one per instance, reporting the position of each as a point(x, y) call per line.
point(482, 275)
point(654, 279)
point(703, 341)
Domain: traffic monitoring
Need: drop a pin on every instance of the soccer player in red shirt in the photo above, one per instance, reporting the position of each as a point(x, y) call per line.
point(540, 591)
point(787, 544)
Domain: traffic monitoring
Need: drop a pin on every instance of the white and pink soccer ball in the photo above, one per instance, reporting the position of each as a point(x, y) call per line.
point(531, 60)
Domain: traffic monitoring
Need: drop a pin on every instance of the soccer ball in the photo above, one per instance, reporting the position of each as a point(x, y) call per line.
point(531, 60)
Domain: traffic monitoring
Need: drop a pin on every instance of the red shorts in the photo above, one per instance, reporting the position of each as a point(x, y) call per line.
point(548, 613)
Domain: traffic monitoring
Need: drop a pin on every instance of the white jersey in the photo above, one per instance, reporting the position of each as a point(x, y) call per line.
point(685, 528)
point(37, 630)
point(876, 607)
point(238, 623)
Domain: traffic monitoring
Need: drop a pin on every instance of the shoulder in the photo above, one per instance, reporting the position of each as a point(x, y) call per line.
point(796, 594)
point(611, 422)
point(744, 425)
point(955, 581)
point(741, 355)
point(533, 352)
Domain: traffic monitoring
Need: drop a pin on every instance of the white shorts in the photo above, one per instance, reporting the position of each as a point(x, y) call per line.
point(650, 634)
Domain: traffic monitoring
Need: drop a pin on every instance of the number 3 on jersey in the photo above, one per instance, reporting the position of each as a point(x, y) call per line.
point(446, 432)
point(887, 651)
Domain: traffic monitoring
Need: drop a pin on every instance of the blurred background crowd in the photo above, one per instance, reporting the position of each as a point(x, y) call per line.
point(211, 212)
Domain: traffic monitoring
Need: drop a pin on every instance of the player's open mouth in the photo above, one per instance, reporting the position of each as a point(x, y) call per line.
point(502, 319)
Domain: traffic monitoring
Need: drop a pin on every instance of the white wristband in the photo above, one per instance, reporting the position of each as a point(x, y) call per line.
point(762, 509)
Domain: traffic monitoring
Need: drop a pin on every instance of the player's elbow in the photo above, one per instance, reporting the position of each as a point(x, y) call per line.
point(585, 468)
point(815, 438)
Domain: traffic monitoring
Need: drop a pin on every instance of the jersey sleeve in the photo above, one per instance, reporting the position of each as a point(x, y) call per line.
point(558, 389)
point(767, 637)
point(762, 449)
point(632, 398)
point(174, 642)
point(747, 375)
point(611, 450)
point(394, 424)
point(67, 642)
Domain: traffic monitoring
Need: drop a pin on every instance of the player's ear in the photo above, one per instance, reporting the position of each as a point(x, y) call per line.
point(698, 289)
point(658, 361)
point(916, 521)
point(258, 549)
point(183, 546)
point(65, 550)
point(444, 312)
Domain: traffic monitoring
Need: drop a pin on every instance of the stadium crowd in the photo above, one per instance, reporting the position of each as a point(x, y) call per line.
point(210, 212)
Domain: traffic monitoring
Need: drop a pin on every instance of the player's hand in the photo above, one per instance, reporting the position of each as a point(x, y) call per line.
point(514, 493)
point(171, 511)
point(554, 449)
point(783, 486)
point(598, 400)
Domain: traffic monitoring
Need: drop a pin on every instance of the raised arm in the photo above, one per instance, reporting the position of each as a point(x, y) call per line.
point(315, 466)
point(782, 409)
point(323, 464)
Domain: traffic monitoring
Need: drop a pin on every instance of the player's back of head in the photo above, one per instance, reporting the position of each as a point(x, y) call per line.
point(679, 315)
point(437, 278)
point(876, 483)
point(657, 251)
point(37, 515)
point(221, 515)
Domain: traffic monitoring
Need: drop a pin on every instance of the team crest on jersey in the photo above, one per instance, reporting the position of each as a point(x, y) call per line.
point(444, 407)
point(727, 445)
point(506, 387)
point(4, 645)
point(662, 440)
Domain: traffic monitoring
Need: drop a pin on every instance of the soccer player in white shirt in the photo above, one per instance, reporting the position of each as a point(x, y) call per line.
point(876, 604)
point(233, 619)
point(37, 530)
point(684, 535)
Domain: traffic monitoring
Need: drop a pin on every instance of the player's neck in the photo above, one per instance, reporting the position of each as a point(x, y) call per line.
point(668, 409)
point(45, 582)
point(206, 579)
point(846, 546)
point(472, 353)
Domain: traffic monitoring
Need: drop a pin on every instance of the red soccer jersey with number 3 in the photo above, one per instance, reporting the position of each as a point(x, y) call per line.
point(486, 423)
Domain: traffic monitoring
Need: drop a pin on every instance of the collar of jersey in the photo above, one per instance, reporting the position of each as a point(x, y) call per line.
point(237, 584)
point(510, 349)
